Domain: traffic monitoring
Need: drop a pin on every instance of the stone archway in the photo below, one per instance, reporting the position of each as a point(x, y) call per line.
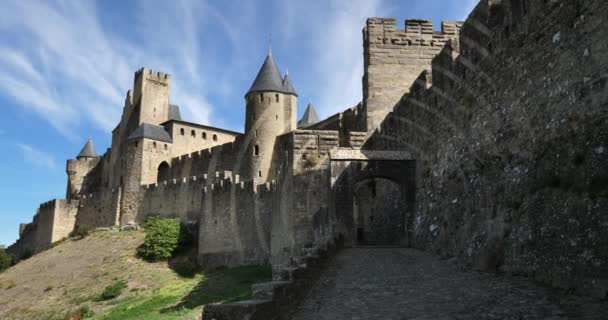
point(164, 172)
point(355, 175)
point(378, 211)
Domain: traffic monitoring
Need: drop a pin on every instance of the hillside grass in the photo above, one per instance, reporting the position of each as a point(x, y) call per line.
point(185, 297)
point(72, 276)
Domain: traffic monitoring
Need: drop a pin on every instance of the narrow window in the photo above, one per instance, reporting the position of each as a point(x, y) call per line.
point(181, 131)
point(193, 133)
point(256, 150)
point(215, 137)
point(154, 144)
point(136, 143)
point(276, 117)
point(256, 133)
point(277, 97)
point(165, 146)
point(205, 135)
point(260, 174)
point(261, 97)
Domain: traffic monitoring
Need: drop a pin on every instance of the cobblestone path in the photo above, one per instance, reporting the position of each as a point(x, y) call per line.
point(400, 284)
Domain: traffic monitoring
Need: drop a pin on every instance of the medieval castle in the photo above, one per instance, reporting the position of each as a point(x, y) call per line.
point(486, 141)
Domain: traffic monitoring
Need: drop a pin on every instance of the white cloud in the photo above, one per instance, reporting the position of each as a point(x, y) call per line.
point(66, 68)
point(37, 157)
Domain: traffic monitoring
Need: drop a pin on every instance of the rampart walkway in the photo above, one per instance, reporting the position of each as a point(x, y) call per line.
point(399, 284)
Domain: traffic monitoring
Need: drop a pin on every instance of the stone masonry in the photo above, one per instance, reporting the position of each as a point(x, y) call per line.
point(484, 143)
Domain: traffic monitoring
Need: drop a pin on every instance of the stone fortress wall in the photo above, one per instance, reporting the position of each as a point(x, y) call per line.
point(54, 220)
point(503, 116)
point(509, 130)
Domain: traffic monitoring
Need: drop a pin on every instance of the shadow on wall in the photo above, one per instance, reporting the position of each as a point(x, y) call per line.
point(508, 171)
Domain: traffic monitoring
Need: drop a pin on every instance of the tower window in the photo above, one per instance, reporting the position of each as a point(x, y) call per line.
point(181, 131)
point(277, 97)
point(256, 150)
point(256, 133)
point(193, 133)
point(260, 174)
point(154, 144)
point(276, 117)
point(215, 137)
point(261, 97)
point(165, 146)
point(205, 135)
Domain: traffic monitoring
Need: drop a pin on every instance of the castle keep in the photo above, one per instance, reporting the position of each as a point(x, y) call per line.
point(484, 141)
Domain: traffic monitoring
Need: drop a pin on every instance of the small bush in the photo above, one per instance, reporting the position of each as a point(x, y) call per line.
point(85, 312)
point(5, 260)
point(82, 231)
point(114, 290)
point(162, 239)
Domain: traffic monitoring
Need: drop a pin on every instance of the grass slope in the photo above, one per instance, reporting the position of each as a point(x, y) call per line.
point(73, 274)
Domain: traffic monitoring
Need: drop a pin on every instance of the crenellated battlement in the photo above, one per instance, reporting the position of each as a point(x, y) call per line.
point(417, 32)
point(151, 74)
point(395, 57)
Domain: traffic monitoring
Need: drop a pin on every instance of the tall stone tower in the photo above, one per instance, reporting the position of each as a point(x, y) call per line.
point(151, 93)
point(394, 58)
point(271, 111)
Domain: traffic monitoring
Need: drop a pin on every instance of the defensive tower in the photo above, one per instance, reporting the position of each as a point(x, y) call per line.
point(151, 94)
point(394, 58)
point(77, 169)
point(271, 110)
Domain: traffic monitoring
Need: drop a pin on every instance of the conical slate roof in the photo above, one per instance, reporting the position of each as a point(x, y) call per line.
point(310, 116)
point(269, 79)
point(88, 151)
point(152, 132)
point(287, 86)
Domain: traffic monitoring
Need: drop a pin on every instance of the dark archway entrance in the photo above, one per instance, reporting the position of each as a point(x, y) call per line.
point(378, 211)
point(372, 196)
point(164, 172)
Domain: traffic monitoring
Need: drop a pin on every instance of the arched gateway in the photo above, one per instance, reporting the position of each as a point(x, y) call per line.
point(372, 196)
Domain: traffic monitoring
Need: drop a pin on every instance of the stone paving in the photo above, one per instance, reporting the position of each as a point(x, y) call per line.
point(405, 284)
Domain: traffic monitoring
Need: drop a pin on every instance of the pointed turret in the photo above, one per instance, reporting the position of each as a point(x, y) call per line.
point(268, 78)
point(287, 86)
point(310, 116)
point(88, 151)
point(271, 111)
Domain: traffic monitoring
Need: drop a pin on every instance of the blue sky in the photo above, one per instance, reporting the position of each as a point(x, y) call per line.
point(67, 65)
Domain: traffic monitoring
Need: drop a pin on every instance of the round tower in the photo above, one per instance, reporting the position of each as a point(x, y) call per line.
point(271, 111)
point(77, 169)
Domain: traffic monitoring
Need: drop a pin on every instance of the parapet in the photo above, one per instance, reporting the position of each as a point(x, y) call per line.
point(417, 32)
point(151, 74)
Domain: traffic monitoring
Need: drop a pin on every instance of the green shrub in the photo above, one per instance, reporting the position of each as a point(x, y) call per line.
point(85, 312)
point(5, 260)
point(82, 231)
point(114, 290)
point(162, 239)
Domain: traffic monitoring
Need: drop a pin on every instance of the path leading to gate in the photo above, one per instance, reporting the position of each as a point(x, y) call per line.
point(399, 284)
